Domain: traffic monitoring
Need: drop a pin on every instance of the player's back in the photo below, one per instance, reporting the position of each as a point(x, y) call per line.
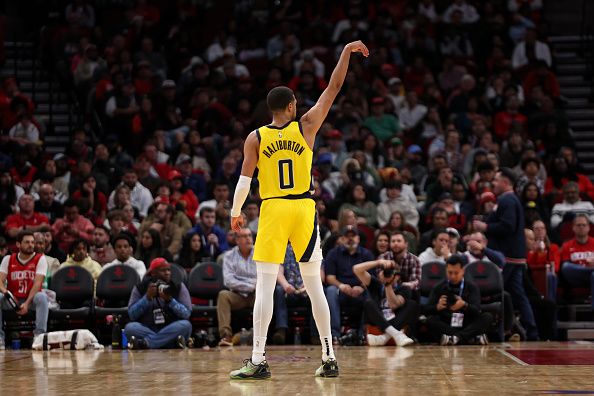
point(284, 162)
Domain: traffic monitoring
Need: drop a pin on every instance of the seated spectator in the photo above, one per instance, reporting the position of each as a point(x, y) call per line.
point(530, 168)
point(93, 199)
point(439, 249)
point(439, 220)
point(454, 310)
point(25, 220)
point(252, 212)
point(140, 196)
point(194, 180)
point(577, 256)
point(181, 195)
point(344, 288)
point(72, 226)
point(384, 126)
point(454, 243)
point(561, 174)
point(444, 183)
point(47, 204)
point(101, 250)
point(397, 223)
point(365, 210)
point(388, 305)
point(116, 222)
point(191, 252)
point(536, 257)
point(24, 132)
point(571, 205)
point(214, 239)
point(410, 267)
point(504, 120)
point(412, 112)
point(10, 193)
point(170, 233)
point(239, 273)
point(22, 275)
point(477, 250)
point(150, 248)
point(52, 249)
point(289, 292)
point(123, 246)
point(179, 217)
point(467, 12)
point(456, 219)
point(396, 202)
point(159, 310)
point(543, 77)
point(381, 244)
point(78, 256)
point(530, 50)
point(220, 203)
point(535, 206)
point(52, 263)
point(550, 250)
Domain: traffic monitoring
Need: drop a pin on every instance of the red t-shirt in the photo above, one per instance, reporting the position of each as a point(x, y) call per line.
point(576, 252)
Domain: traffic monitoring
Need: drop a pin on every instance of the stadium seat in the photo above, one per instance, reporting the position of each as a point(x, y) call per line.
point(487, 276)
point(205, 282)
point(74, 287)
point(114, 287)
point(431, 274)
point(178, 274)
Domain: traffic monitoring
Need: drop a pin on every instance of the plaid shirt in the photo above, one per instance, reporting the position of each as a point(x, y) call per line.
point(410, 267)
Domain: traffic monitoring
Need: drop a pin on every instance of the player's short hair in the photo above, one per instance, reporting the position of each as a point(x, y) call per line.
point(279, 98)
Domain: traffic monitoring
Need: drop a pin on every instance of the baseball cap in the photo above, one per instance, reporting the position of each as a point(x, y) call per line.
point(157, 263)
point(324, 158)
point(183, 158)
point(168, 84)
point(174, 174)
point(350, 229)
point(396, 141)
point(377, 100)
point(415, 149)
point(453, 232)
point(334, 134)
point(394, 80)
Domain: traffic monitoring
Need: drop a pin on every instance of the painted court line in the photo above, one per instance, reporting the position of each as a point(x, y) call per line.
point(512, 357)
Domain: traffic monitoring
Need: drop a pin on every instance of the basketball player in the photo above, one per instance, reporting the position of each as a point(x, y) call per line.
point(283, 154)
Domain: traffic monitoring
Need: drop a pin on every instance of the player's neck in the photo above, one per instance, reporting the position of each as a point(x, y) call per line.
point(25, 256)
point(279, 120)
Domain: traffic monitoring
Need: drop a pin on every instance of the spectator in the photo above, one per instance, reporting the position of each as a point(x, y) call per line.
point(505, 230)
point(24, 132)
point(388, 306)
point(530, 168)
point(169, 232)
point(535, 207)
point(214, 239)
point(412, 112)
point(478, 250)
point(577, 256)
point(150, 248)
point(344, 288)
point(195, 181)
point(239, 273)
point(561, 174)
point(443, 184)
point(52, 249)
point(289, 291)
point(192, 252)
point(52, 263)
point(252, 212)
point(454, 310)
point(396, 202)
point(504, 121)
point(159, 310)
point(571, 205)
point(468, 13)
point(10, 193)
point(397, 223)
point(140, 196)
point(530, 50)
point(439, 220)
point(26, 219)
point(365, 210)
point(124, 247)
point(382, 243)
point(384, 126)
point(546, 248)
point(72, 226)
point(93, 199)
point(22, 275)
point(78, 255)
point(440, 248)
point(47, 204)
point(409, 264)
point(101, 250)
point(220, 204)
point(536, 258)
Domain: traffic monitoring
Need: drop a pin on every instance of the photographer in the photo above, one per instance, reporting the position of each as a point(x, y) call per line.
point(389, 305)
point(453, 309)
point(159, 310)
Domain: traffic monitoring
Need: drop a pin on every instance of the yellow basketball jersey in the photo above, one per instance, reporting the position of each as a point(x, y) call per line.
point(284, 161)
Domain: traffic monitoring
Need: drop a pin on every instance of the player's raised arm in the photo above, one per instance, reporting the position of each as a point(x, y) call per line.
point(250, 160)
point(313, 119)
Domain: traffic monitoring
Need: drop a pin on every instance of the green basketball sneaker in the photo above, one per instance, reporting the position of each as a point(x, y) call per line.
point(328, 369)
point(251, 371)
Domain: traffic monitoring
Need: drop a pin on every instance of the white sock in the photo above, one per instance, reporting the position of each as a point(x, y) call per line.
point(391, 330)
point(310, 272)
point(263, 306)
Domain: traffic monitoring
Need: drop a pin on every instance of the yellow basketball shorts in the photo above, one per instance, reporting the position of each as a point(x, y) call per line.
point(288, 220)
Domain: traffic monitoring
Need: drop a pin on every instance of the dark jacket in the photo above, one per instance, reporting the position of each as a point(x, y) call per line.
point(471, 294)
point(505, 228)
point(140, 309)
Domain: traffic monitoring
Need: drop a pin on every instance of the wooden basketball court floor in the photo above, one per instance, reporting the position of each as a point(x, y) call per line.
point(519, 368)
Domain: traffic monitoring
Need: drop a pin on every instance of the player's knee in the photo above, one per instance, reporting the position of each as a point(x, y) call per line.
point(267, 268)
point(311, 268)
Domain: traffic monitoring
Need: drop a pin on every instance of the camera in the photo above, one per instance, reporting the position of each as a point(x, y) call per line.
point(352, 338)
point(163, 287)
point(451, 297)
point(202, 339)
point(389, 272)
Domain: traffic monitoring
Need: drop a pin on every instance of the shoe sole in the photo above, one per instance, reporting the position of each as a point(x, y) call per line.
point(252, 378)
point(329, 374)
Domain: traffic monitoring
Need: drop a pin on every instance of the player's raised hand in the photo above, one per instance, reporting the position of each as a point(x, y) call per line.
point(358, 46)
point(237, 223)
